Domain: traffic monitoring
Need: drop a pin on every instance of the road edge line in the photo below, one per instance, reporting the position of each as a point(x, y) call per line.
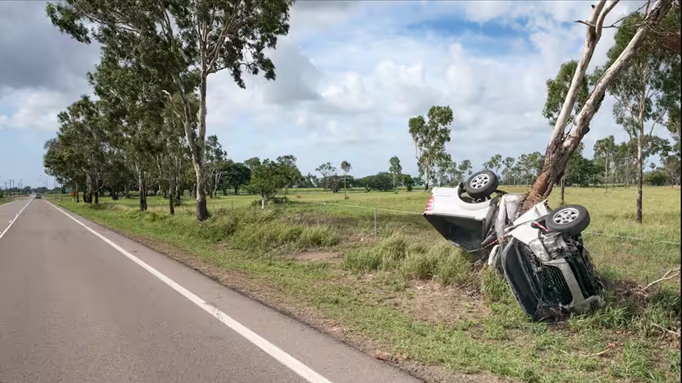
point(15, 218)
point(275, 352)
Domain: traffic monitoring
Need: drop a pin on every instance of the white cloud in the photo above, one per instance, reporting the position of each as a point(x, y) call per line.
point(32, 109)
point(350, 74)
point(347, 95)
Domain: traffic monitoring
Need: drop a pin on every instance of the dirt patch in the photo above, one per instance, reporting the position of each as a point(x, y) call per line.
point(432, 302)
point(318, 256)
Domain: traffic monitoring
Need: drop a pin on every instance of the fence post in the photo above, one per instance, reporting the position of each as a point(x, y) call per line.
point(375, 223)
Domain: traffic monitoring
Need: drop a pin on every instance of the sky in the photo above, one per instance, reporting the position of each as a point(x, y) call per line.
point(350, 74)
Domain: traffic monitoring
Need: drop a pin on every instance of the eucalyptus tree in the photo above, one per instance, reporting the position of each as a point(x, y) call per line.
point(557, 89)
point(429, 138)
point(183, 41)
point(215, 163)
point(563, 142)
point(644, 88)
point(81, 149)
point(605, 152)
point(508, 171)
point(132, 101)
point(494, 163)
point(465, 168)
point(346, 167)
point(327, 170)
point(395, 169)
point(62, 161)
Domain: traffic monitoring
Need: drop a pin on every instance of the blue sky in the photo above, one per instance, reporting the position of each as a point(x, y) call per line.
point(350, 75)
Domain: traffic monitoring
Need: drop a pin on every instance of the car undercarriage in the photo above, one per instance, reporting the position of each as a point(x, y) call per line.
point(540, 251)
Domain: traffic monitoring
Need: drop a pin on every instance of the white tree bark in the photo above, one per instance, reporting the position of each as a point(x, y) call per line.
point(656, 13)
point(559, 148)
point(595, 24)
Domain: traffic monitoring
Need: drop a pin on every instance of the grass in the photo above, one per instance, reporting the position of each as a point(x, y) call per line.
point(411, 295)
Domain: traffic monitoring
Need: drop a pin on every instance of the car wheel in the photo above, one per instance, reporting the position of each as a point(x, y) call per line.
point(569, 219)
point(481, 184)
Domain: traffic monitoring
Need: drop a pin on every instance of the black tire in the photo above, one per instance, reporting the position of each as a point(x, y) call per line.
point(481, 184)
point(569, 219)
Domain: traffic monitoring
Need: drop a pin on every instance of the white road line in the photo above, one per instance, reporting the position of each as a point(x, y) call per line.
point(289, 361)
point(15, 219)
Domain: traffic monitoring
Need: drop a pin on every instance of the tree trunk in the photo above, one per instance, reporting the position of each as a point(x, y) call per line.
point(171, 206)
point(197, 155)
point(561, 146)
point(96, 198)
point(563, 190)
point(236, 190)
point(426, 178)
point(200, 193)
point(127, 191)
point(640, 165)
point(640, 172)
point(88, 183)
point(143, 191)
point(196, 142)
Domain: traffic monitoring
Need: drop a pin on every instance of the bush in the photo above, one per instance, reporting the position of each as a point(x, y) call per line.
point(414, 260)
point(656, 178)
point(318, 236)
point(362, 260)
point(455, 267)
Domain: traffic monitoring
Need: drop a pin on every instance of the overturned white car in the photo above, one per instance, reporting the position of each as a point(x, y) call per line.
point(540, 252)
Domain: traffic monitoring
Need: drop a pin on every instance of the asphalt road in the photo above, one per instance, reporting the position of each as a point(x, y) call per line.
point(79, 303)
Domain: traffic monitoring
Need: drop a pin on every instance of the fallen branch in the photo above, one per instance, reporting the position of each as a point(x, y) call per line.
point(558, 349)
point(670, 274)
point(583, 355)
point(598, 353)
point(676, 333)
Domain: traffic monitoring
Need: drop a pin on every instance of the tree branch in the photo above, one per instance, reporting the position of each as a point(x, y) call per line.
point(669, 331)
point(591, 107)
point(670, 274)
point(660, 116)
point(591, 39)
point(615, 23)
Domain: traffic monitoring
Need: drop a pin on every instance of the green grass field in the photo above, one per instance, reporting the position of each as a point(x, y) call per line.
point(410, 295)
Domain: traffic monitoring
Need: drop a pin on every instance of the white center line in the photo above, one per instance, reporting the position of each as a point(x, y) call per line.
point(11, 222)
point(280, 355)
